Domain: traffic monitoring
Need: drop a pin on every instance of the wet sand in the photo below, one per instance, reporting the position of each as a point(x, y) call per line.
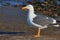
point(14, 19)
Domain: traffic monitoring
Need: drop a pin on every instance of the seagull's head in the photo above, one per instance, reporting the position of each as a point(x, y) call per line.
point(27, 7)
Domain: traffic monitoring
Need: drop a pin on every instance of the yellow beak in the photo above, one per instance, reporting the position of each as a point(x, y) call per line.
point(24, 8)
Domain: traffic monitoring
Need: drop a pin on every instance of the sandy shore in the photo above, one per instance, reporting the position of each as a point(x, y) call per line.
point(14, 19)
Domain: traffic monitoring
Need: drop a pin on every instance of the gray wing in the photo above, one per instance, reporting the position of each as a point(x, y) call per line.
point(43, 20)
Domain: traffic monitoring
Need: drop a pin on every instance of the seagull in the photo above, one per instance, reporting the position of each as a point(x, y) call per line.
point(40, 21)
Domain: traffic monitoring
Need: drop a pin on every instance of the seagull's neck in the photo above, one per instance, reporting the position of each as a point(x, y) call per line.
point(31, 13)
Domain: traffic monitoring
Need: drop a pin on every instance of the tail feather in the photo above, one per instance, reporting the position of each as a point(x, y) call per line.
point(56, 25)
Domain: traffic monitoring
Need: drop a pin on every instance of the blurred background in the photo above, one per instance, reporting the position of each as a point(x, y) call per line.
point(46, 7)
point(12, 15)
point(13, 19)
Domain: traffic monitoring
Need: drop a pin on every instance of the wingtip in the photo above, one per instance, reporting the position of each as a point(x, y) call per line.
point(54, 21)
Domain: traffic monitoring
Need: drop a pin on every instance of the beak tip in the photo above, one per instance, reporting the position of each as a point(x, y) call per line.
point(24, 8)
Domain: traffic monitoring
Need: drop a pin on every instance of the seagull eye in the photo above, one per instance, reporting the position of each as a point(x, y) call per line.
point(28, 5)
